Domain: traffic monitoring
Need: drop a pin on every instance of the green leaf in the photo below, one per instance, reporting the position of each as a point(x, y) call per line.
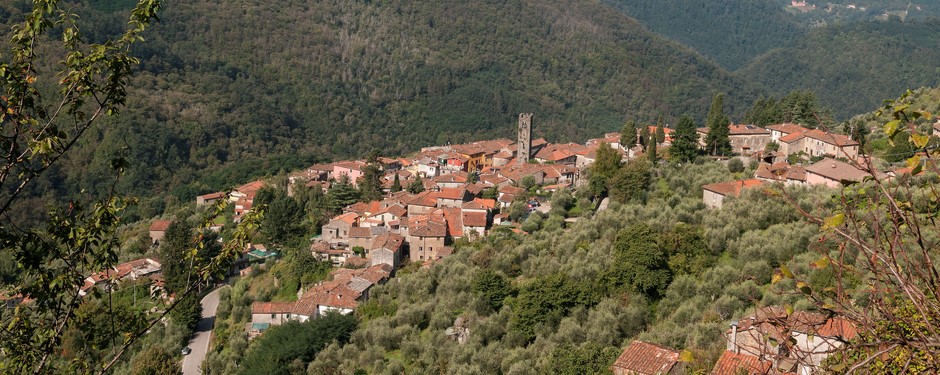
point(834, 221)
point(686, 356)
point(789, 308)
point(892, 127)
point(786, 271)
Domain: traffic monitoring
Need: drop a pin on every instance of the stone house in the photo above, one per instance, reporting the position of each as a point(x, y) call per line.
point(352, 169)
point(784, 342)
point(338, 228)
point(781, 172)
point(644, 358)
point(778, 131)
point(158, 230)
point(452, 197)
point(426, 240)
point(208, 199)
point(819, 143)
point(744, 139)
point(713, 195)
point(834, 173)
point(387, 249)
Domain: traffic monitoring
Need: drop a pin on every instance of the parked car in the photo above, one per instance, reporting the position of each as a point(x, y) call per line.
point(186, 351)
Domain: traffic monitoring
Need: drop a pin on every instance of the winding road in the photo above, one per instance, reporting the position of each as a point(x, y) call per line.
point(192, 363)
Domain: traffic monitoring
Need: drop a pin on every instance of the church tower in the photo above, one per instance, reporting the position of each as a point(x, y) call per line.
point(524, 140)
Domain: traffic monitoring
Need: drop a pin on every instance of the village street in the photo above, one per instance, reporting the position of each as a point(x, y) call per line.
point(200, 342)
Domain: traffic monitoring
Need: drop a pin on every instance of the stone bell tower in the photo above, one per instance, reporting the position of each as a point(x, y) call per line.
point(524, 140)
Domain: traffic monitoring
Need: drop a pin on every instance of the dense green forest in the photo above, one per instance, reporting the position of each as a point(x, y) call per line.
point(225, 89)
point(853, 67)
point(730, 32)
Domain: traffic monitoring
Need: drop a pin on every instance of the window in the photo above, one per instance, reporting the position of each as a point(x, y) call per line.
point(273, 316)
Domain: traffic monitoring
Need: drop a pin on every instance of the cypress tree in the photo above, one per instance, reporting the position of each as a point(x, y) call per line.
point(684, 141)
point(396, 185)
point(717, 142)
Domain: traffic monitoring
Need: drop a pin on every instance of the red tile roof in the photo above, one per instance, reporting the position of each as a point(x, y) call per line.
point(646, 359)
point(731, 363)
point(160, 225)
point(781, 171)
point(389, 241)
point(732, 188)
point(742, 129)
point(474, 219)
point(452, 193)
point(429, 230)
point(839, 171)
point(251, 187)
point(212, 196)
point(788, 128)
point(272, 307)
point(831, 138)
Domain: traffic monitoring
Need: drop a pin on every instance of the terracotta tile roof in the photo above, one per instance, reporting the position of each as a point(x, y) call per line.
point(396, 210)
point(349, 217)
point(511, 190)
point(741, 129)
point(788, 128)
point(452, 193)
point(332, 294)
point(480, 204)
point(360, 232)
point(732, 188)
point(213, 196)
point(474, 219)
point(272, 307)
point(322, 167)
point(831, 138)
point(251, 187)
point(476, 188)
point(457, 178)
point(424, 199)
point(454, 221)
point(781, 171)
point(389, 241)
point(731, 363)
point(839, 171)
point(646, 359)
point(376, 273)
point(503, 155)
point(792, 137)
point(160, 225)
point(429, 230)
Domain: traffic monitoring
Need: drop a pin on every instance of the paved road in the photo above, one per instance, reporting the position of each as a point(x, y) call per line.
point(200, 342)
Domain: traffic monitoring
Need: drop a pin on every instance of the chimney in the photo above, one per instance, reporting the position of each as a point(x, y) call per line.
point(734, 337)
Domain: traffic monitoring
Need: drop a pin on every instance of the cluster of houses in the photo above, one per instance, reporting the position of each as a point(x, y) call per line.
point(769, 342)
point(839, 164)
point(146, 268)
point(463, 187)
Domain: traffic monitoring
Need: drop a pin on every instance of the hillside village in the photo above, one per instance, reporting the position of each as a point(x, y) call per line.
point(464, 191)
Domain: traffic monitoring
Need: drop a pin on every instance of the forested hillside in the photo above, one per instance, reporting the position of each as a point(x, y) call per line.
point(730, 32)
point(853, 67)
point(234, 83)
